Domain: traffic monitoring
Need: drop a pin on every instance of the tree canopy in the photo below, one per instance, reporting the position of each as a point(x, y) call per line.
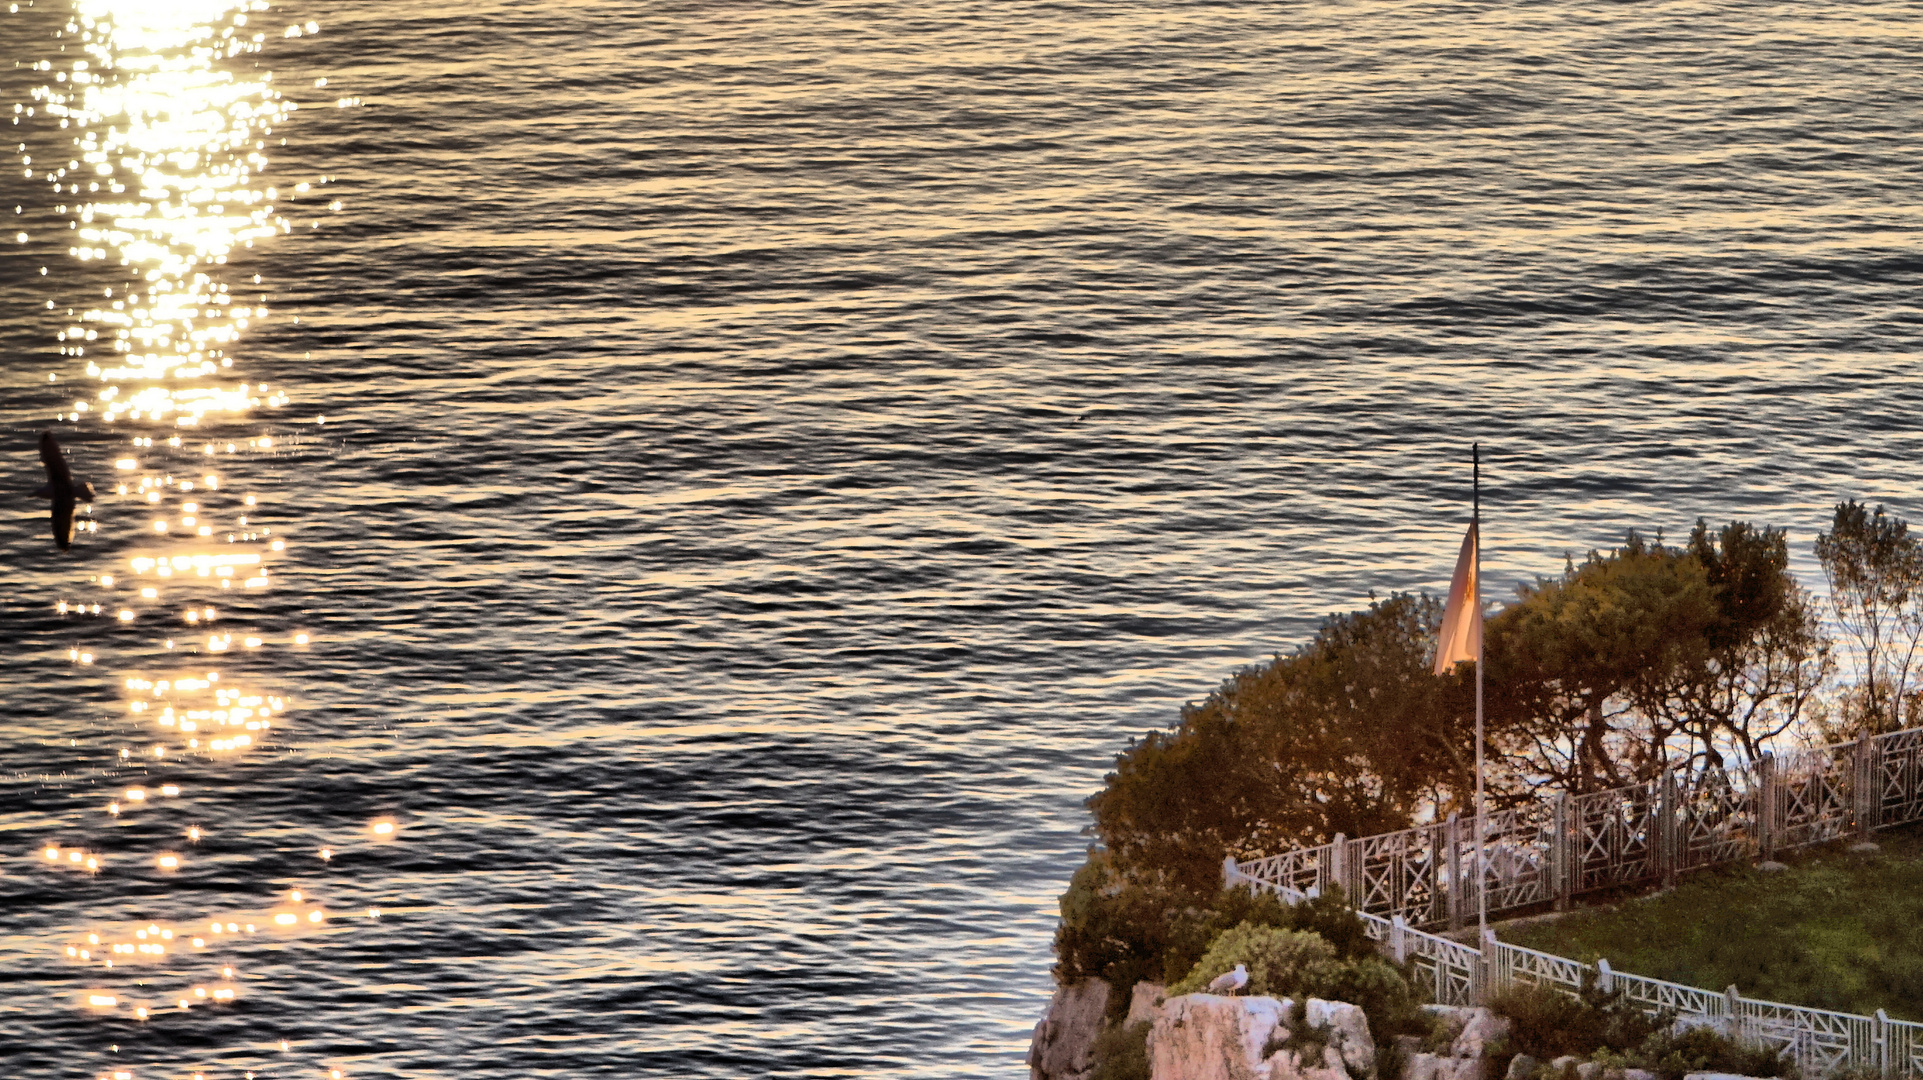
point(1639, 658)
point(1875, 573)
point(1348, 734)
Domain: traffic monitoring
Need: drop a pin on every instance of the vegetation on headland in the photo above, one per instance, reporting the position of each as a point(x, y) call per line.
point(1609, 1029)
point(1645, 657)
point(1319, 949)
point(1837, 930)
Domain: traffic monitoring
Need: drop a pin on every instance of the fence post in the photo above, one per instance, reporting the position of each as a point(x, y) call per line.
point(1398, 940)
point(1884, 1066)
point(1732, 1003)
point(1766, 799)
point(1666, 828)
point(1335, 871)
point(1605, 979)
point(1352, 872)
point(1451, 839)
point(1558, 853)
point(1487, 976)
point(1866, 793)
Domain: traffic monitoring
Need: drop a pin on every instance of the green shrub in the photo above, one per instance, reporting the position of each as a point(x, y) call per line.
point(1331, 917)
point(1675, 1053)
point(1192, 929)
point(1281, 963)
point(1301, 964)
point(1123, 929)
point(1121, 1053)
point(1382, 992)
point(1546, 1023)
point(1115, 928)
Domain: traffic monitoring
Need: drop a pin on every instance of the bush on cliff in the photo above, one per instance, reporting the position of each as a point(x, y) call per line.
point(1301, 964)
point(1281, 963)
point(1546, 1023)
point(1121, 1053)
point(1126, 930)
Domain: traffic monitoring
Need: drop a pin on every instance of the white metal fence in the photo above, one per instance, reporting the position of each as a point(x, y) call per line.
point(1818, 1041)
point(1552, 851)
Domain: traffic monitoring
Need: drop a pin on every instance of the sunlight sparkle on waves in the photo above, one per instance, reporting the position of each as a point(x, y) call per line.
point(156, 167)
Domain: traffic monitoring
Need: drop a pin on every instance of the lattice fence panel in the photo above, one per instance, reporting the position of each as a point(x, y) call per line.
point(1614, 834)
point(1900, 777)
point(1716, 817)
point(1815, 789)
point(1517, 964)
point(1906, 1048)
point(1516, 858)
point(1402, 873)
point(1819, 1042)
point(1303, 869)
point(1657, 994)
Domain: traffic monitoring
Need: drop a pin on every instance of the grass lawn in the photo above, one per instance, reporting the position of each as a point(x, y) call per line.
point(1836, 930)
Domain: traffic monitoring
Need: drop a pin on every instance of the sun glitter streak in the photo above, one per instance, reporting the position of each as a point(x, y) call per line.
point(167, 152)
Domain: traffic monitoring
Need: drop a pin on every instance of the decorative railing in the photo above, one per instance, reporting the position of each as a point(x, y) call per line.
point(1552, 851)
point(1819, 1042)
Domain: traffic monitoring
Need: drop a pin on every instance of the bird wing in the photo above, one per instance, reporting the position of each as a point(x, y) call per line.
point(55, 461)
point(63, 523)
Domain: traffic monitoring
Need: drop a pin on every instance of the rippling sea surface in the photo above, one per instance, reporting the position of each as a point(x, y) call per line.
point(701, 491)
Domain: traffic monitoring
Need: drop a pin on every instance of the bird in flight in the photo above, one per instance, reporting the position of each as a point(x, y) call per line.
point(62, 488)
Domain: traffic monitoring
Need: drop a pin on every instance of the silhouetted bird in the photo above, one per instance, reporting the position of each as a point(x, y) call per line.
point(62, 489)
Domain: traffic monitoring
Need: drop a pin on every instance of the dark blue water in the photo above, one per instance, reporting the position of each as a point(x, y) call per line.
point(775, 455)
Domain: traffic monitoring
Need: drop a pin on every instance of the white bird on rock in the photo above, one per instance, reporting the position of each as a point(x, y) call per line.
point(1230, 981)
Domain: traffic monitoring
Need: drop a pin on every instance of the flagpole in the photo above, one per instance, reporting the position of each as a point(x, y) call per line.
point(1482, 880)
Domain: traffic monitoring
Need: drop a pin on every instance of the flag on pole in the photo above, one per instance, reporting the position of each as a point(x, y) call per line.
point(1462, 617)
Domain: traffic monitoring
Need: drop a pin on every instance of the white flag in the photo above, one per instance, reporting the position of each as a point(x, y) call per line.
point(1462, 618)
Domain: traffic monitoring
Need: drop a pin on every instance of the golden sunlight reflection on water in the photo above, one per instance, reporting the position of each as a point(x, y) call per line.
point(159, 171)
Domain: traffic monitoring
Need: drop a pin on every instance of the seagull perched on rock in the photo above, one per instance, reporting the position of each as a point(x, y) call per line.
point(1230, 981)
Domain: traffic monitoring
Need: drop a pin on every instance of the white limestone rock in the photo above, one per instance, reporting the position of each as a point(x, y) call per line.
point(1143, 1000)
point(1420, 1066)
point(1346, 1030)
point(1061, 1049)
point(1480, 1027)
point(1309, 1065)
point(1211, 1037)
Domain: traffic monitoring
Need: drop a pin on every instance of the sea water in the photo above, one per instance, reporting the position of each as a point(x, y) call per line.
point(728, 477)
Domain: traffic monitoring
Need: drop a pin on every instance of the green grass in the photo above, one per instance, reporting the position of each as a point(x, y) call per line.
point(1836, 930)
